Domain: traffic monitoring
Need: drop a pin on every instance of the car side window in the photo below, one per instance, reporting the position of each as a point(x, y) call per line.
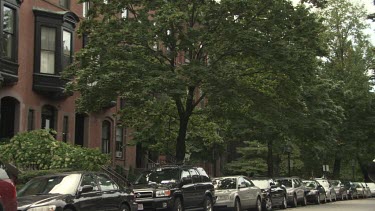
point(248, 183)
point(106, 183)
point(203, 174)
point(296, 183)
point(186, 177)
point(89, 179)
point(194, 174)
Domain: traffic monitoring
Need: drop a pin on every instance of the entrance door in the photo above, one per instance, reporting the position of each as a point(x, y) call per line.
point(8, 117)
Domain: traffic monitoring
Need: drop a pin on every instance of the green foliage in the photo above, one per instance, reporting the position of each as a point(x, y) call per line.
point(252, 160)
point(38, 149)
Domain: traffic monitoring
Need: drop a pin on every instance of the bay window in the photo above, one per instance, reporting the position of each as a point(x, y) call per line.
point(48, 50)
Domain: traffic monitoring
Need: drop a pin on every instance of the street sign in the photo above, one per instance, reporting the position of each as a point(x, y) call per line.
point(325, 168)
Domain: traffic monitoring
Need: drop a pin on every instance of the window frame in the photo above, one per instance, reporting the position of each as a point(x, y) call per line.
point(61, 22)
point(13, 5)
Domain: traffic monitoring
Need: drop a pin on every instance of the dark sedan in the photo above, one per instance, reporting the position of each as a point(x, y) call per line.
point(75, 191)
point(273, 195)
point(316, 192)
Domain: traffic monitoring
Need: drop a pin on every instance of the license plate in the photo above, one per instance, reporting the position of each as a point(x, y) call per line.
point(140, 206)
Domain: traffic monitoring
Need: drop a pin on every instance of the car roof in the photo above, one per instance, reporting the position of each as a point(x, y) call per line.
point(68, 173)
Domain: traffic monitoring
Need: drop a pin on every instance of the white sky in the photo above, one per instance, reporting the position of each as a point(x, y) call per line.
point(370, 7)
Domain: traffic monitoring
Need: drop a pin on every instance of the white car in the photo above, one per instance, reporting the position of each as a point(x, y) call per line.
point(371, 185)
point(237, 193)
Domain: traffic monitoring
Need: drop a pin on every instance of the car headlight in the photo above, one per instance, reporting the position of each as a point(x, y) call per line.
point(312, 192)
point(163, 193)
point(43, 208)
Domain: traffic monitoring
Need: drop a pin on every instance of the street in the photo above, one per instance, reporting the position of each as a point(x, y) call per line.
point(349, 205)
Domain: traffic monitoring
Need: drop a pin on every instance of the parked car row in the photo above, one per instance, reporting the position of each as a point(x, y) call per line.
point(238, 192)
point(172, 188)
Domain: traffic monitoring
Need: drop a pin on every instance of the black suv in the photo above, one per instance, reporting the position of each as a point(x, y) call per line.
point(174, 188)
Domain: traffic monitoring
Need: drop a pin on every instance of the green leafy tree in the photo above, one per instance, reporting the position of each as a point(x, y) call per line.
point(169, 56)
point(348, 64)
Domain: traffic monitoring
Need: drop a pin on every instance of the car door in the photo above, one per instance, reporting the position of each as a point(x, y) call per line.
point(253, 192)
point(298, 189)
point(243, 192)
point(277, 193)
point(199, 194)
point(187, 188)
point(111, 197)
point(89, 198)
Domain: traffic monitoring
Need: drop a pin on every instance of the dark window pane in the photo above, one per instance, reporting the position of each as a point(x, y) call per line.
point(30, 120)
point(65, 129)
point(8, 21)
point(7, 45)
point(8, 32)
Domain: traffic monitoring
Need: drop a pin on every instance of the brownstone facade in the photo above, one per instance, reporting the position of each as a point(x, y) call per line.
point(41, 34)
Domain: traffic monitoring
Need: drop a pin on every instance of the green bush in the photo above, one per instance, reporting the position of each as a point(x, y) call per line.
point(39, 150)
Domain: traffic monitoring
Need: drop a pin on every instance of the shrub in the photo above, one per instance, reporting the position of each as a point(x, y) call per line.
point(39, 150)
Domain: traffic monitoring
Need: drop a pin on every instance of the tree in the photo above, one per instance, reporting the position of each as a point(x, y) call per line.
point(348, 64)
point(168, 57)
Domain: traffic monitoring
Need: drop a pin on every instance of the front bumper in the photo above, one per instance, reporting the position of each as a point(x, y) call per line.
point(163, 203)
point(223, 202)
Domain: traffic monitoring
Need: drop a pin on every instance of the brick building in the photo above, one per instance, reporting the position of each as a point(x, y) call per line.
point(38, 41)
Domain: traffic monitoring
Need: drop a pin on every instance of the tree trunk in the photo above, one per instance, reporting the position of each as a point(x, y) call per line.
point(364, 171)
point(180, 142)
point(270, 158)
point(337, 168)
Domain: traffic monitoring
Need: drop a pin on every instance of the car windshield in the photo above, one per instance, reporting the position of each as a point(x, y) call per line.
point(62, 184)
point(323, 182)
point(226, 183)
point(159, 176)
point(286, 182)
point(262, 184)
point(310, 184)
point(335, 183)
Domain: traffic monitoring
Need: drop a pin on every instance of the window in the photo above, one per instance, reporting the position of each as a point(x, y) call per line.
point(9, 33)
point(89, 179)
point(49, 114)
point(106, 183)
point(85, 9)
point(194, 174)
point(67, 48)
point(106, 134)
point(119, 142)
point(65, 3)
point(124, 13)
point(30, 120)
point(54, 41)
point(47, 50)
point(65, 129)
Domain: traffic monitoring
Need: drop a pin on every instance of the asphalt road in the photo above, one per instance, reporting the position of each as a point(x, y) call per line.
point(348, 205)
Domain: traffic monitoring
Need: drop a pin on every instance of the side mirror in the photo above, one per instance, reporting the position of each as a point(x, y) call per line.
point(86, 189)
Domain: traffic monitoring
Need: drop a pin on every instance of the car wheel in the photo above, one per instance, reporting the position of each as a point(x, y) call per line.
point(207, 204)
point(237, 205)
point(122, 208)
point(295, 202)
point(268, 204)
point(317, 199)
point(284, 204)
point(177, 206)
point(258, 205)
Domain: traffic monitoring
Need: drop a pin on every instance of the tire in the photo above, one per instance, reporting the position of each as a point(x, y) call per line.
point(317, 199)
point(177, 205)
point(258, 205)
point(207, 205)
point(267, 204)
point(304, 201)
point(295, 202)
point(123, 207)
point(237, 205)
point(284, 204)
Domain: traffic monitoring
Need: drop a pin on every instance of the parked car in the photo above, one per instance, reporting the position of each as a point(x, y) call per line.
point(273, 195)
point(237, 193)
point(316, 192)
point(75, 191)
point(361, 192)
point(371, 185)
point(296, 191)
point(330, 191)
point(351, 189)
point(367, 190)
point(8, 201)
point(174, 188)
point(340, 189)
